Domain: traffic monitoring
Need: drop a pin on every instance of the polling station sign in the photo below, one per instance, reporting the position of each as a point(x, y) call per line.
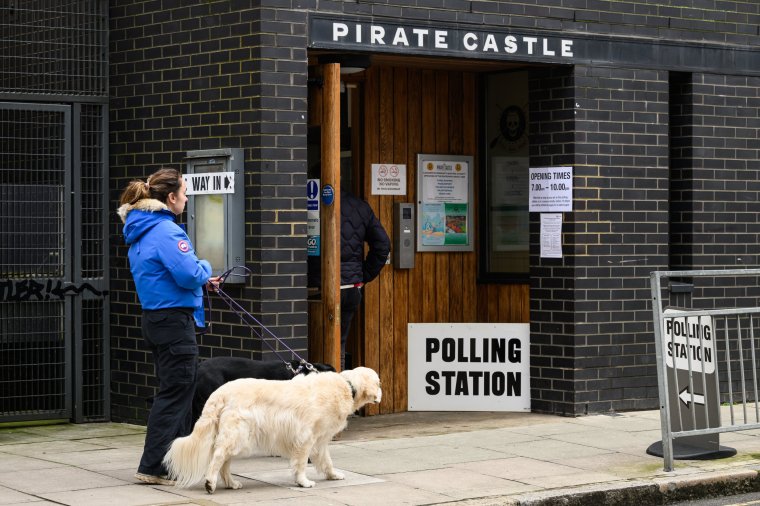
point(689, 340)
point(688, 343)
point(469, 367)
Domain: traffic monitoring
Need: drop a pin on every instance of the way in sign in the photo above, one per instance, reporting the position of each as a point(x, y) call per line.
point(201, 184)
point(207, 183)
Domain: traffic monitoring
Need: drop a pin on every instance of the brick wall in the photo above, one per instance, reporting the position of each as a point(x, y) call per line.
point(592, 346)
point(201, 76)
point(715, 200)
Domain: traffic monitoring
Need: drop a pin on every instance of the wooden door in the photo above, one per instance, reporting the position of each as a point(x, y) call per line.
point(408, 111)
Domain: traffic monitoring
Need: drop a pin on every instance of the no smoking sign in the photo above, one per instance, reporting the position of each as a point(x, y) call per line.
point(388, 179)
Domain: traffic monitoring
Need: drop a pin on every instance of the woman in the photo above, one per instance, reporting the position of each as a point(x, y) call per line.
point(169, 279)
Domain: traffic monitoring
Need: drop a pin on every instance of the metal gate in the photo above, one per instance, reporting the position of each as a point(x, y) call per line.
point(707, 341)
point(53, 262)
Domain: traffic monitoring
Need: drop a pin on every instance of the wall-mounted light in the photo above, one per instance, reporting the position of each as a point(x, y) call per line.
point(349, 63)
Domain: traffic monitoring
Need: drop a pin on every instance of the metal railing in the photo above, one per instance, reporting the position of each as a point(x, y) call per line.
point(714, 348)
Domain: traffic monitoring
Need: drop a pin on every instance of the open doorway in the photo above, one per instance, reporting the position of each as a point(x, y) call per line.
point(351, 177)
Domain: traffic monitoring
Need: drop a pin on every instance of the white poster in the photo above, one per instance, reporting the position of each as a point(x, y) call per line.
point(388, 179)
point(550, 189)
point(469, 366)
point(445, 182)
point(551, 235)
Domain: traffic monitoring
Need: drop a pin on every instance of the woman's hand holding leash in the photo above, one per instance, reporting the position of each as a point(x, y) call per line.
point(212, 285)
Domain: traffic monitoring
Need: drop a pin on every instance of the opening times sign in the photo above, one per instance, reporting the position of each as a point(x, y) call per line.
point(469, 367)
point(550, 189)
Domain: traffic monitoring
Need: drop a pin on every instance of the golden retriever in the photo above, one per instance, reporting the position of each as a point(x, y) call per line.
point(294, 419)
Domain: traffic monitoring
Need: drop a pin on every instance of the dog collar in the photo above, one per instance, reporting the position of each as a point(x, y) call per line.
point(353, 390)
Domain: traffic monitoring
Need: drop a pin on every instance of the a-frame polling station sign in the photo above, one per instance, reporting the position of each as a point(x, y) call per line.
point(689, 345)
point(210, 183)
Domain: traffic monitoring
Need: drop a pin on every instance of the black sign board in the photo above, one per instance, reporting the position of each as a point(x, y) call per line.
point(504, 43)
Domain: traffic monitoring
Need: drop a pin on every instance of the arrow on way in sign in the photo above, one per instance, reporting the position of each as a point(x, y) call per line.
point(686, 397)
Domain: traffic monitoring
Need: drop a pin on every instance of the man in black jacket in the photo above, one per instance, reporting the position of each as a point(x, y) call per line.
point(358, 224)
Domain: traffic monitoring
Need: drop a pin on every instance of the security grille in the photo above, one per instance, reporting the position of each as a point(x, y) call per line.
point(54, 46)
point(32, 185)
point(90, 252)
point(94, 355)
point(93, 179)
point(34, 337)
point(53, 264)
point(33, 347)
point(53, 198)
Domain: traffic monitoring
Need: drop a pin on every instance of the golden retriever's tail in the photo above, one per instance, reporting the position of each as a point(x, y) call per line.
point(188, 457)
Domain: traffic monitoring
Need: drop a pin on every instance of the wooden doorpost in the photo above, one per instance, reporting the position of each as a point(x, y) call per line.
point(331, 213)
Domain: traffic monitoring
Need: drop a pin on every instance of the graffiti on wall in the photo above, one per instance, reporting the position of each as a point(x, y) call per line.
point(18, 290)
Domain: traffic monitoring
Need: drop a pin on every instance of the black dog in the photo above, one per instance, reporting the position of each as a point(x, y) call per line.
point(215, 372)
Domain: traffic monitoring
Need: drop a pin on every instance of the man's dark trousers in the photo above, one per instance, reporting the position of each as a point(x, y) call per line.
point(350, 299)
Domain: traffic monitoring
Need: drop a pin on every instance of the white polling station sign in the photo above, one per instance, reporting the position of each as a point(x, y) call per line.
point(469, 367)
point(689, 340)
point(210, 183)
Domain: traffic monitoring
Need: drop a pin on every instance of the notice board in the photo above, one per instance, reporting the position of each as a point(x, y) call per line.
point(445, 203)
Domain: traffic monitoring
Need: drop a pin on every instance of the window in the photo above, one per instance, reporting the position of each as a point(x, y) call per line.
point(504, 225)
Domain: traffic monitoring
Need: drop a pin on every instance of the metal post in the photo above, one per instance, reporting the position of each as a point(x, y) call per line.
point(667, 439)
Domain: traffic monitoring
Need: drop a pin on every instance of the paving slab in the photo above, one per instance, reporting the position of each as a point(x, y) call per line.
point(284, 478)
point(459, 483)
point(253, 492)
point(124, 495)
point(24, 463)
point(383, 493)
point(57, 479)
point(554, 449)
point(516, 468)
point(9, 496)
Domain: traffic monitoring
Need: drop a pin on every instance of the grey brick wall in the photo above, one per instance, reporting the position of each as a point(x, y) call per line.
point(210, 75)
point(592, 346)
point(714, 194)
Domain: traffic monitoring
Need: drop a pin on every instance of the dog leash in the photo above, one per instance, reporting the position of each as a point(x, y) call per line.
point(251, 320)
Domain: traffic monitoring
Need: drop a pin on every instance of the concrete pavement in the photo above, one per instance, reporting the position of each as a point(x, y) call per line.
point(407, 458)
